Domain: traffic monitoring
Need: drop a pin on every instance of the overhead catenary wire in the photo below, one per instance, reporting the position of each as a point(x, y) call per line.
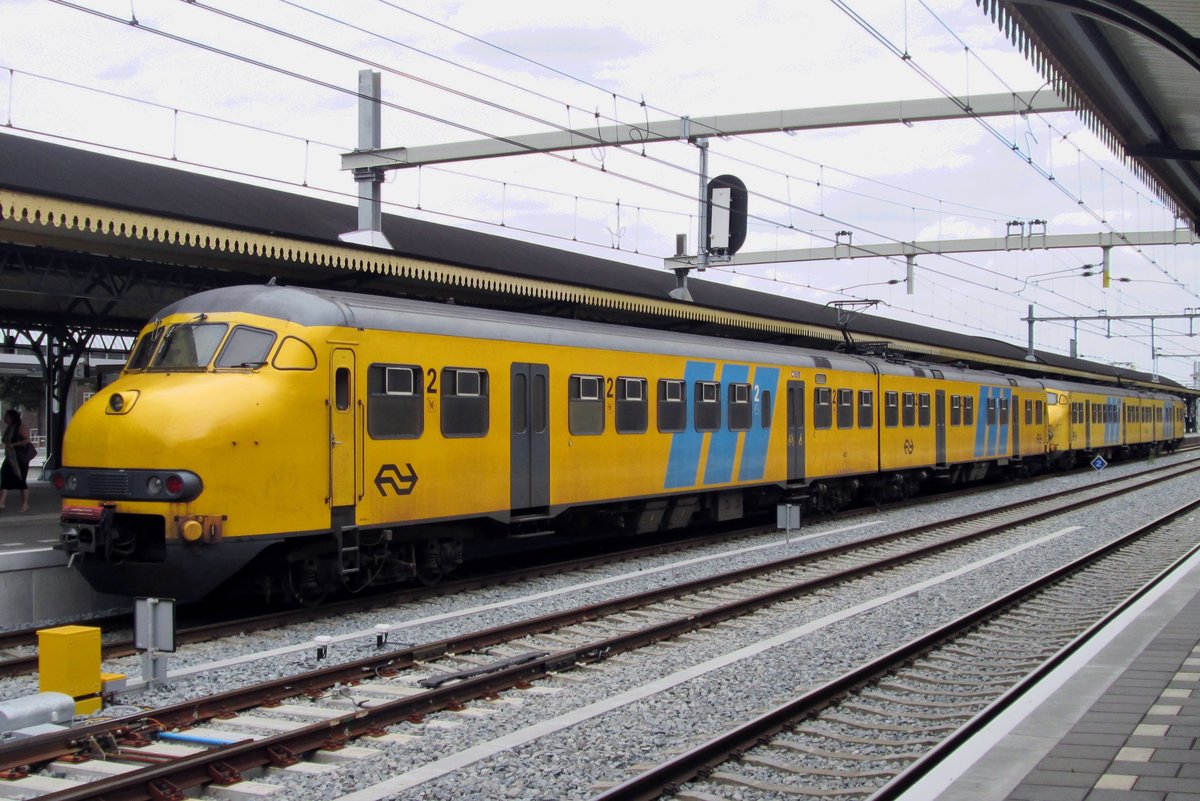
point(688, 197)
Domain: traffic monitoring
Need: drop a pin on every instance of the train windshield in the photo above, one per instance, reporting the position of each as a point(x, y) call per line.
point(144, 349)
point(189, 346)
point(246, 347)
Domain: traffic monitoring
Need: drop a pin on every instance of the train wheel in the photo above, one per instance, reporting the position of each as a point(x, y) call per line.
point(304, 585)
point(436, 559)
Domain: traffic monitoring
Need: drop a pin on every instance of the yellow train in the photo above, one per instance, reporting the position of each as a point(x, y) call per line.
point(311, 441)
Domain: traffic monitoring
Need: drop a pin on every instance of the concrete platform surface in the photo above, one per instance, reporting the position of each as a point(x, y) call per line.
point(1119, 721)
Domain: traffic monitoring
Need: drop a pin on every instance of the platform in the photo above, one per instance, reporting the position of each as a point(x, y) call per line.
point(35, 585)
point(1119, 721)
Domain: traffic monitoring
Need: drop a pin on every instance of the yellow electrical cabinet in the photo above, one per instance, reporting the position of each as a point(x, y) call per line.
point(69, 662)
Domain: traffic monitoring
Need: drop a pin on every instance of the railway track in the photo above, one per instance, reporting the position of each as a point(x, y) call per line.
point(118, 641)
point(873, 732)
point(319, 712)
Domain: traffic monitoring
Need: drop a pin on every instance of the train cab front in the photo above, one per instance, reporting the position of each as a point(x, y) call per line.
point(115, 529)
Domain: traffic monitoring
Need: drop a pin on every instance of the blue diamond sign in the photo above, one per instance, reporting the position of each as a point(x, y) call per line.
point(1099, 463)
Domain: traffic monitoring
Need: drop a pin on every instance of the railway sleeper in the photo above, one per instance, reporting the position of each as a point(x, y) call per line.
point(842, 756)
point(798, 769)
point(813, 730)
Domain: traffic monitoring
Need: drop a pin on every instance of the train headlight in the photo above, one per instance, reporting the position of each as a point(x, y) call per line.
point(71, 482)
point(154, 485)
point(121, 402)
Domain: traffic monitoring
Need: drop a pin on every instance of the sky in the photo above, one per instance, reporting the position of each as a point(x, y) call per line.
point(263, 92)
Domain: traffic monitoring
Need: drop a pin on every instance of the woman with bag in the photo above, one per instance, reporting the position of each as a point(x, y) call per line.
point(18, 452)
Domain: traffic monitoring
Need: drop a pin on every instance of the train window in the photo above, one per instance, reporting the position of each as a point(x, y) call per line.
point(395, 402)
point(400, 380)
point(923, 410)
point(632, 406)
point(766, 408)
point(294, 354)
point(585, 406)
point(189, 346)
point(708, 405)
point(866, 408)
point(1004, 411)
point(1028, 412)
point(821, 378)
point(1052, 398)
point(246, 347)
point(1039, 413)
point(845, 408)
point(968, 410)
point(144, 349)
point(465, 411)
point(955, 410)
point(822, 408)
point(672, 408)
point(908, 414)
point(741, 413)
point(991, 411)
point(341, 389)
point(891, 409)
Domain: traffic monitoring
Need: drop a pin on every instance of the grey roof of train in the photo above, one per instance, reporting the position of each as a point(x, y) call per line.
point(68, 172)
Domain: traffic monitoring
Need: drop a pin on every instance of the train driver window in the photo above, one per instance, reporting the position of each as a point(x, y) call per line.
point(632, 406)
point(955, 410)
point(672, 405)
point(740, 411)
point(708, 406)
point(923, 418)
point(245, 347)
point(144, 349)
point(891, 409)
point(909, 410)
point(465, 411)
point(189, 346)
point(395, 401)
point(822, 408)
point(866, 408)
point(585, 406)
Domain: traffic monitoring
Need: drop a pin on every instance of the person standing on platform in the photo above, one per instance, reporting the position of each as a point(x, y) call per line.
point(18, 453)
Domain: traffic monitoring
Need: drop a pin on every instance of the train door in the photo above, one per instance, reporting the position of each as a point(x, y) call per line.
point(530, 466)
point(1087, 425)
point(795, 430)
point(940, 424)
point(1016, 420)
point(342, 428)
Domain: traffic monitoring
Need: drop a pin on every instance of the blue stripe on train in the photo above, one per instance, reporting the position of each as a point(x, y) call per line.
point(722, 445)
point(684, 462)
point(992, 440)
point(981, 431)
point(754, 445)
point(1005, 396)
